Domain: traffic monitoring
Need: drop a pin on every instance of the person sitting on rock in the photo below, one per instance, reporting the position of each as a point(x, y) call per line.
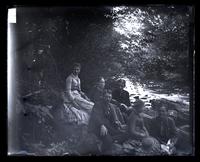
point(74, 98)
point(104, 123)
point(121, 95)
point(74, 92)
point(163, 127)
point(96, 93)
point(122, 99)
point(136, 125)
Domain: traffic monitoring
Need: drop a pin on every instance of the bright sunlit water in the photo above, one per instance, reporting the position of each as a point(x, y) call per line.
point(146, 94)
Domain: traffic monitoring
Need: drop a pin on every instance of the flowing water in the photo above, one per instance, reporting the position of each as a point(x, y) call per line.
point(146, 94)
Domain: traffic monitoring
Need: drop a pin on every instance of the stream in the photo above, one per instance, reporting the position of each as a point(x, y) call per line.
point(147, 94)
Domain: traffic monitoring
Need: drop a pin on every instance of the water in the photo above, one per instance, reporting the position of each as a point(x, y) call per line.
point(147, 94)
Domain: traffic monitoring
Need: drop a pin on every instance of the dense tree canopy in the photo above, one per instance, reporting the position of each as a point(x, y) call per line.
point(148, 43)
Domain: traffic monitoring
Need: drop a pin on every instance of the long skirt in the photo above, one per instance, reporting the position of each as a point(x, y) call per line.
point(83, 103)
point(79, 115)
point(71, 114)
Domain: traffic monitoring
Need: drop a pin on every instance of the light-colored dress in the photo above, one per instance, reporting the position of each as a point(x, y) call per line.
point(73, 93)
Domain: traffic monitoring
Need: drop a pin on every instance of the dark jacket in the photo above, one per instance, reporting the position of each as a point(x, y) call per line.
point(103, 114)
point(121, 96)
point(163, 130)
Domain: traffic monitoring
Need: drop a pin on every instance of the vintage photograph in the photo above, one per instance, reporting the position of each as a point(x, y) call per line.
point(101, 80)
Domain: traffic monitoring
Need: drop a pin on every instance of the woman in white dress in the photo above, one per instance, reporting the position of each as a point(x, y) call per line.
point(75, 99)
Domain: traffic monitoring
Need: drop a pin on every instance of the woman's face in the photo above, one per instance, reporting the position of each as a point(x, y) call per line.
point(76, 70)
point(101, 83)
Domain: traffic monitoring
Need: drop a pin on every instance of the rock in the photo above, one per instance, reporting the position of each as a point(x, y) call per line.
point(136, 97)
point(117, 149)
point(147, 104)
point(89, 144)
point(151, 146)
point(128, 146)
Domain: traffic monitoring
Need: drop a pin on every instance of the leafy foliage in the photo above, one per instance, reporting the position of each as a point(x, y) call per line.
point(155, 41)
point(145, 43)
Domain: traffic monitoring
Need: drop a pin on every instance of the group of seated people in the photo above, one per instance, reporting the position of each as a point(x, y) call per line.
point(111, 116)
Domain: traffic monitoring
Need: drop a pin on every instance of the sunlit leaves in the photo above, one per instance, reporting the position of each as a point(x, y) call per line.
point(153, 36)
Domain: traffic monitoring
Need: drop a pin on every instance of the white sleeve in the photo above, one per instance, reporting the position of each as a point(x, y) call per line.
point(68, 88)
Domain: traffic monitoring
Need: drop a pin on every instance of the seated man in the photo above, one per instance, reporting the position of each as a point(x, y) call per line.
point(163, 127)
point(96, 93)
point(122, 97)
point(181, 136)
point(104, 123)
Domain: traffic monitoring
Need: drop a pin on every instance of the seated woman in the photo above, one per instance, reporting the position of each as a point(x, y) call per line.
point(75, 98)
point(136, 125)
